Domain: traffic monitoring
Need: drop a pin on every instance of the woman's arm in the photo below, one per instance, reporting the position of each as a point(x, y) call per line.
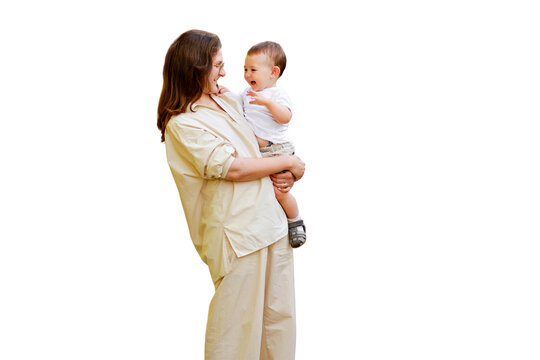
point(247, 169)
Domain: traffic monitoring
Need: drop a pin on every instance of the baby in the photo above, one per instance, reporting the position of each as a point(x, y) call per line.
point(267, 108)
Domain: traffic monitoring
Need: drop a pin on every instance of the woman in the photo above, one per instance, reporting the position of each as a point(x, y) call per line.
point(235, 222)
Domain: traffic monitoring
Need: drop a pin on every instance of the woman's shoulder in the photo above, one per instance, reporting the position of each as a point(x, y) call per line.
point(181, 118)
point(188, 118)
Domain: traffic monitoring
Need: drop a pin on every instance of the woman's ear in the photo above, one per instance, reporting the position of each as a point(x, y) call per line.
point(275, 71)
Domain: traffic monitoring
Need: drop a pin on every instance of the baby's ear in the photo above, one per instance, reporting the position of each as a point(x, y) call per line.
point(276, 71)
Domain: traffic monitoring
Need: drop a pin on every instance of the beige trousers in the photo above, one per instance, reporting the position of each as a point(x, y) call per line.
point(252, 313)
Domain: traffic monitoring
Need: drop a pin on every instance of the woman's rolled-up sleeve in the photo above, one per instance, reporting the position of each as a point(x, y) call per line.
point(209, 154)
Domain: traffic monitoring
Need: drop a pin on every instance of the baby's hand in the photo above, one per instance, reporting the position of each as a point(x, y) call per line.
point(222, 89)
point(256, 98)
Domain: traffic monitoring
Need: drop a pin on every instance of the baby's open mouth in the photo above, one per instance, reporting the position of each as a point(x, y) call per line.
point(253, 82)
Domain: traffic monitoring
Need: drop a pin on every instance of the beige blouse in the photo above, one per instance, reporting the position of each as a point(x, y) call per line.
point(201, 146)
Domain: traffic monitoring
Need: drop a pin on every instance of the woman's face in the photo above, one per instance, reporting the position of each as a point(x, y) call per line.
point(216, 72)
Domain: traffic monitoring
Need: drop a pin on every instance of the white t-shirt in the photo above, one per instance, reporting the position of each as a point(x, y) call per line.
point(260, 119)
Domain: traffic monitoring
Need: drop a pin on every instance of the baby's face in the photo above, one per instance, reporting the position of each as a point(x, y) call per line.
point(258, 72)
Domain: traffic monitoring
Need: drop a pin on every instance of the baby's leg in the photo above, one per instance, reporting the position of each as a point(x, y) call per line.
point(297, 230)
point(288, 203)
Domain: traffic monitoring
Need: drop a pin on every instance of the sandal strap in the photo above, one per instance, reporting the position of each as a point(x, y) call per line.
point(296, 224)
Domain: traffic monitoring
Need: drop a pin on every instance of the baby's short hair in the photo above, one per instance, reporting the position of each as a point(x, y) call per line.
point(274, 51)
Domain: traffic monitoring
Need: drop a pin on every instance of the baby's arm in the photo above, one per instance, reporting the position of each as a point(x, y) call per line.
point(281, 113)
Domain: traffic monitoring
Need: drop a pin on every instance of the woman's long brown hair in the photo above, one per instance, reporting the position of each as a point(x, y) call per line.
point(187, 65)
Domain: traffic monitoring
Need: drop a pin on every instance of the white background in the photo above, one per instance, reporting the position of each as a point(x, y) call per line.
point(418, 121)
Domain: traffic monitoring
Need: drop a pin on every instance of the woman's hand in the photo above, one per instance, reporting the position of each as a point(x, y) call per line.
point(298, 167)
point(283, 181)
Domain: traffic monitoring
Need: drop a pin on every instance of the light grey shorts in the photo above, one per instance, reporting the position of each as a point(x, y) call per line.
point(272, 149)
